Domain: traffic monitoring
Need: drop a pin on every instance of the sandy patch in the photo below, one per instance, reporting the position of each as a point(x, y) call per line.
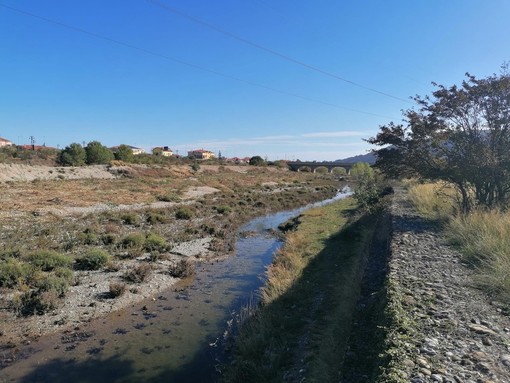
point(199, 191)
point(18, 172)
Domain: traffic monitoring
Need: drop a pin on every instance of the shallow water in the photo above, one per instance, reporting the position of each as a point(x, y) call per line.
point(177, 337)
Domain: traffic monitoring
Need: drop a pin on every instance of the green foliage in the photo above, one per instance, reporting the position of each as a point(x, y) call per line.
point(223, 209)
point(54, 283)
point(96, 153)
point(133, 240)
point(184, 213)
point(124, 153)
point(257, 161)
point(130, 218)
point(195, 167)
point(93, 259)
point(365, 184)
point(459, 135)
point(72, 155)
point(155, 242)
point(47, 260)
point(13, 272)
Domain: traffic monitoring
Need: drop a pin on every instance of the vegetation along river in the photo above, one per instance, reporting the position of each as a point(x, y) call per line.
point(177, 337)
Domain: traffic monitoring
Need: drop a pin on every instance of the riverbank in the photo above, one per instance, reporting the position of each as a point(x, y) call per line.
point(302, 328)
point(407, 309)
point(144, 218)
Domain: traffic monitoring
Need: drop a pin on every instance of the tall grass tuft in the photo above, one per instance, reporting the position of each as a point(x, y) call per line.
point(434, 201)
point(482, 237)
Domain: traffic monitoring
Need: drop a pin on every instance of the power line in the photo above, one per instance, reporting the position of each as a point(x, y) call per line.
point(195, 66)
point(271, 51)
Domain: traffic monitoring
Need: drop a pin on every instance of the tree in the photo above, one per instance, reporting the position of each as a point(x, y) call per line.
point(124, 153)
point(98, 153)
point(72, 155)
point(257, 161)
point(365, 184)
point(460, 135)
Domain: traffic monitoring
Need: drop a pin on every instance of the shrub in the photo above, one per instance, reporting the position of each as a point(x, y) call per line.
point(139, 274)
point(168, 197)
point(35, 302)
point(47, 260)
point(153, 218)
point(184, 213)
point(108, 238)
point(133, 240)
point(72, 155)
point(96, 153)
point(223, 209)
point(93, 259)
point(13, 272)
point(117, 289)
point(129, 218)
point(182, 269)
point(154, 242)
point(54, 283)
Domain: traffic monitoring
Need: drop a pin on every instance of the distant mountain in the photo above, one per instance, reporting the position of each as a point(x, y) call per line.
point(368, 158)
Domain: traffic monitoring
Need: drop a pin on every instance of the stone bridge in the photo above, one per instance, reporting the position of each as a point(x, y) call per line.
point(299, 165)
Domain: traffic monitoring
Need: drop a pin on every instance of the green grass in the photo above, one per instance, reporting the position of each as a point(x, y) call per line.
point(308, 301)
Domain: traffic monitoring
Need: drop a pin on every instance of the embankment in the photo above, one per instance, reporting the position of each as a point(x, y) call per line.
point(383, 299)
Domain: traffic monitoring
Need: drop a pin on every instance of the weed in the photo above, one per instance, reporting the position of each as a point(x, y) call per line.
point(133, 241)
point(47, 260)
point(154, 242)
point(117, 289)
point(223, 209)
point(138, 274)
point(93, 259)
point(184, 213)
point(130, 218)
point(13, 273)
point(182, 269)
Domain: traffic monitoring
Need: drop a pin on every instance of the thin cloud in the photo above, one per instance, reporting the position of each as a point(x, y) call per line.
point(349, 133)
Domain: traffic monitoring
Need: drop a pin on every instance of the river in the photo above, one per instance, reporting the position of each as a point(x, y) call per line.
point(177, 337)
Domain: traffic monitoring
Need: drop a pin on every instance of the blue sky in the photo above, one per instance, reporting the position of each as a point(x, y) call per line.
point(210, 74)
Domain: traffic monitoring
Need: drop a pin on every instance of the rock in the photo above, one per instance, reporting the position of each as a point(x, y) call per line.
point(505, 359)
point(481, 329)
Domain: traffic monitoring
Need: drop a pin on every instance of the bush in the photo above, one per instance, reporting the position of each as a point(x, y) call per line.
point(35, 302)
point(117, 289)
point(47, 260)
point(93, 259)
point(13, 272)
point(54, 283)
point(96, 153)
point(168, 197)
point(72, 155)
point(153, 218)
point(154, 242)
point(133, 240)
point(184, 213)
point(223, 209)
point(182, 269)
point(129, 218)
point(139, 273)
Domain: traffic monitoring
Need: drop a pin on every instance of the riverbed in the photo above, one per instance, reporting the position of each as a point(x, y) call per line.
point(176, 336)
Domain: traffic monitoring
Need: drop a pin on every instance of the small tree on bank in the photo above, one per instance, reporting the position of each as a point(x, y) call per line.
point(365, 184)
point(98, 153)
point(124, 153)
point(460, 135)
point(72, 155)
point(257, 161)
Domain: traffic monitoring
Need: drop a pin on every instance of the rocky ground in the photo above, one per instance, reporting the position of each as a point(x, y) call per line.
point(462, 335)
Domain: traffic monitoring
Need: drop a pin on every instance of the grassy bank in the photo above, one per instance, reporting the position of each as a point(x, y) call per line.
point(302, 328)
point(481, 236)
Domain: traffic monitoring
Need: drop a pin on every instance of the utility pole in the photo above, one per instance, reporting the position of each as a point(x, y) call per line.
point(32, 142)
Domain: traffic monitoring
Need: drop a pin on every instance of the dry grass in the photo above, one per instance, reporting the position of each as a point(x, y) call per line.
point(433, 200)
point(483, 237)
